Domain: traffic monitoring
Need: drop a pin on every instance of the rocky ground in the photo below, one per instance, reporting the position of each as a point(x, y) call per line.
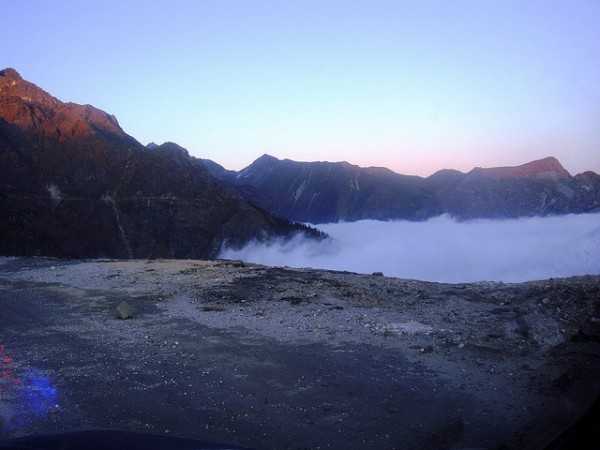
point(278, 358)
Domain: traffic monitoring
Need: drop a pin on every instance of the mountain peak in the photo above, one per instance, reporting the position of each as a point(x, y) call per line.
point(548, 167)
point(172, 147)
point(29, 107)
point(265, 160)
point(10, 73)
point(266, 157)
point(13, 85)
point(548, 164)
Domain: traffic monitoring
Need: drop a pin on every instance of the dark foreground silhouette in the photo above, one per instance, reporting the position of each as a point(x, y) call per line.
point(111, 440)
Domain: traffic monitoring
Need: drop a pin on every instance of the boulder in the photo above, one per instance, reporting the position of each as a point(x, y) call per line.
point(124, 311)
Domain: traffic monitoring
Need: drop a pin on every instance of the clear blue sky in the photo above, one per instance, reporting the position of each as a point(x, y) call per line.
point(412, 85)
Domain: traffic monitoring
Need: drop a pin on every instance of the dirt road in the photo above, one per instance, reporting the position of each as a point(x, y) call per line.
point(275, 358)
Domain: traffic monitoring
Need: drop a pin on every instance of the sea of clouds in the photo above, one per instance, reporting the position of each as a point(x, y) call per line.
point(443, 249)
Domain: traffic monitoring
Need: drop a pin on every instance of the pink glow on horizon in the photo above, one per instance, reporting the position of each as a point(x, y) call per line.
point(412, 86)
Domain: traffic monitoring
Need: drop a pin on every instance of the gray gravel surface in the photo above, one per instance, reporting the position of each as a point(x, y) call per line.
point(278, 358)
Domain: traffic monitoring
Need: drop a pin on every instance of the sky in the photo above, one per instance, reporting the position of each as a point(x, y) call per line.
point(415, 86)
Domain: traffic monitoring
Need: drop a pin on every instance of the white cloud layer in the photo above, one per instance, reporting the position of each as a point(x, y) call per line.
point(442, 249)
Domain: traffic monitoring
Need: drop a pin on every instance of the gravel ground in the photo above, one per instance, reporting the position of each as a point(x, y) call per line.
point(279, 358)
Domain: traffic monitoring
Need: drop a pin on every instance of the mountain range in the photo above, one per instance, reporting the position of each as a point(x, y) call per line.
point(322, 192)
point(74, 184)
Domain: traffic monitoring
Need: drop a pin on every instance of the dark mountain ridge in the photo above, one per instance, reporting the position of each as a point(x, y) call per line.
point(548, 167)
point(326, 192)
point(320, 192)
point(74, 184)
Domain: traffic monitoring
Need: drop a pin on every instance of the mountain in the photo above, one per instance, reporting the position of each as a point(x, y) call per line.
point(320, 192)
point(547, 168)
point(326, 192)
point(74, 184)
point(537, 188)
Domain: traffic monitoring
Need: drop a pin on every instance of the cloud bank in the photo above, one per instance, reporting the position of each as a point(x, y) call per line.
point(442, 249)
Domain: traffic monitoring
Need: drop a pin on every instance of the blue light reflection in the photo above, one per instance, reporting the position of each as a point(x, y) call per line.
point(26, 393)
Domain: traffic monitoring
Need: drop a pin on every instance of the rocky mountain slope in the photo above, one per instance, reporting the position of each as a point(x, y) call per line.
point(274, 358)
point(320, 192)
point(537, 188)
point(73, 183)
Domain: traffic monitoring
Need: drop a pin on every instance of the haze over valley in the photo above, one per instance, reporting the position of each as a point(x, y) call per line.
point(444, 249)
